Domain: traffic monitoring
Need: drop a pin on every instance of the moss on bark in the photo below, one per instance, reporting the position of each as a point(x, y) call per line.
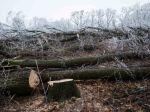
point(76, 61)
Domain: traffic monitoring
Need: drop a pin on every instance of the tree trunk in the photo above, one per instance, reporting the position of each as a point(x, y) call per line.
point(17, 86)
point(104, 74)
point(18, 81)
point(76, 61)
point(62, 89)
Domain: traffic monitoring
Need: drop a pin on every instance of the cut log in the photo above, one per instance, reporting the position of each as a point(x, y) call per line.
point(104, 74)
point(76, 61)
point(17, 86)
point(18, 81)
point(62, 89)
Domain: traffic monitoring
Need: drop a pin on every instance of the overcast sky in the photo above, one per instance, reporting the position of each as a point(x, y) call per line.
point(55, 9)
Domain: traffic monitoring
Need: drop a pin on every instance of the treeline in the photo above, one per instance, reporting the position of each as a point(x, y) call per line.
point(135, 16)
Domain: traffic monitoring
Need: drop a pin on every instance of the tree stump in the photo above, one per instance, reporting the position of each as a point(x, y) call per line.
point(62, 89)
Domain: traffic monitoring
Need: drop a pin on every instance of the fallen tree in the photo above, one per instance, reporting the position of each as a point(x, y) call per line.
point(18, 81)
point(18, 86)
point(110, 74)
point(87, 48)
point(76, 61)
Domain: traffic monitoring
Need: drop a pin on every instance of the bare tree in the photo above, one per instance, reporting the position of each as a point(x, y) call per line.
point(99, 17)
point(109, 16)
point(92, 18)
point(63, 24)
point(79, 18)
point(16, 20)
point(38, 23)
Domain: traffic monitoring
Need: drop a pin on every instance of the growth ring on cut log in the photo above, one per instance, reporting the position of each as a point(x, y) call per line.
point(34, 80)
point(60, 90)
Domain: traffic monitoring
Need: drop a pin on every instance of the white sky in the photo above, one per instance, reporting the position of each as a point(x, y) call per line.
point(56, 9)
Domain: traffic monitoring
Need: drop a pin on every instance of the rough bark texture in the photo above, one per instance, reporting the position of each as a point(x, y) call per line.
point(17, 86)
point(62, 89)
point(110, 74)
point(17, 83)
point(76, 61)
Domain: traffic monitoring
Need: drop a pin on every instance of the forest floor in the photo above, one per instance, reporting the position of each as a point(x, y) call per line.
point(96, 96)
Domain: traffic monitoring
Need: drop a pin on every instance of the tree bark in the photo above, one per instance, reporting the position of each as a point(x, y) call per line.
point(104, 74)
point(18, 81)
point(76, 61)
point(17, 86)
point(61, 90)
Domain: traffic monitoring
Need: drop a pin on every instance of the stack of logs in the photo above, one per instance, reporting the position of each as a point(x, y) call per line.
point(26, 76)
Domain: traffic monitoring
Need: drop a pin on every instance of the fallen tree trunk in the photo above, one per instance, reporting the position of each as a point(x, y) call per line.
point(110, 74)
point(76, 61)
point(84, 48)
point(17, 86)
point(8, 67)
point(18, 81)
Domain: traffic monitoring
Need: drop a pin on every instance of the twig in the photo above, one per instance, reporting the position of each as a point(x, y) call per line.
point(41, 80)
